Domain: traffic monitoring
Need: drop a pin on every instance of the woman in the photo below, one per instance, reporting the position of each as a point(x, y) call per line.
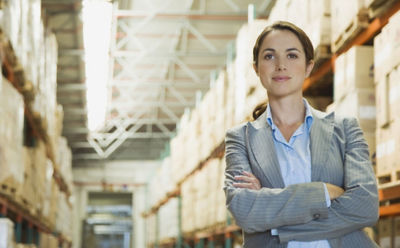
point(295, 176)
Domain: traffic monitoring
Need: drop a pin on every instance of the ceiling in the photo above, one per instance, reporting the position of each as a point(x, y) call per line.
point(163, 54)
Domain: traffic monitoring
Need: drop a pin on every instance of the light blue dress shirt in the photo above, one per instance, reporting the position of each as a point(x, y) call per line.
point(295, 163)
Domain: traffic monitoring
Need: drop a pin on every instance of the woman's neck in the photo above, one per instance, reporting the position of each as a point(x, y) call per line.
point(287, 111)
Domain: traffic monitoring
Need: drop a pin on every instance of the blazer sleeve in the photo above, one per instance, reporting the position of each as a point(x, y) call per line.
point(268, 208)
point(357, 208)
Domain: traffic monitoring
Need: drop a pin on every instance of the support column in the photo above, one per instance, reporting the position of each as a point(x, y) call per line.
point(18, 229)
point(30, 233)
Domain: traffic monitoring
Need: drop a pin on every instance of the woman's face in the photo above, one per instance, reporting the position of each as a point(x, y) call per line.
point(282, 64)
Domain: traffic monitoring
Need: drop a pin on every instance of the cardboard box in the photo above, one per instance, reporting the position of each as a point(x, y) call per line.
point(382, 103)
point(360, 104)
point(394, 29)
point(394, 94)
point(387, 149)
point(339, 78)
point(343, 17)
point(359, 67)
point(382, 54)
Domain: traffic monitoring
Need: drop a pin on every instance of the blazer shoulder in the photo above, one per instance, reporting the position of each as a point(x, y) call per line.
point(238, 130)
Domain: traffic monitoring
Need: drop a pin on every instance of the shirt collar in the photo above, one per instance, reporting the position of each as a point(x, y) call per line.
point(308, 119)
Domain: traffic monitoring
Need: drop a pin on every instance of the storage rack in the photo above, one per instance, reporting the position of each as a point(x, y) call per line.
point(27, 224)
point(387, 193)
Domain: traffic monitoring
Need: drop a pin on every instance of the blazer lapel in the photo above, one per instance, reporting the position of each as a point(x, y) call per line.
point(263, 148)
point(320, 141)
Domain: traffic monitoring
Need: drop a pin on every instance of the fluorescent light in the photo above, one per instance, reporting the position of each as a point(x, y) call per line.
point(97, 17)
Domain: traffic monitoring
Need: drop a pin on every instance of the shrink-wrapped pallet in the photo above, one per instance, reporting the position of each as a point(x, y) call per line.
point(212, 172)
point(6, 233)
point(230, 98)
point(151, 225)
point(64, 161)
point(168, 220)
point(245, 83)
point(11, 137)
point(11, 21)
point(188, 194)
point(221, 90)
point(64, 216)
point(221, 211)
point(177, 155)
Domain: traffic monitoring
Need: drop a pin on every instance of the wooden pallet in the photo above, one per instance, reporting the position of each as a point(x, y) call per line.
point(378, 7)
point(357, 25)
point(389, 179)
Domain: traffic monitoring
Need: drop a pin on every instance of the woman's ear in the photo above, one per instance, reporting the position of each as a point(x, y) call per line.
point(255, 68)
point(309, 68)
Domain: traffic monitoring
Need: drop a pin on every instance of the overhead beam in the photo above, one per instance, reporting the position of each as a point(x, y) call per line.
point(241, 16)
point(164, 55)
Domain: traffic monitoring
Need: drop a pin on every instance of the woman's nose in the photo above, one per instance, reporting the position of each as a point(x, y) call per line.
point(280, 67)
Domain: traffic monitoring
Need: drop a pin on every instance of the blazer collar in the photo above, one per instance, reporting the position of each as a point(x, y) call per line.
point(263, 148)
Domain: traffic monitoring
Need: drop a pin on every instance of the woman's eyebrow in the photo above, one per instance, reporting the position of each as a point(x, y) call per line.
point(292, 49)
point(287, 50)
point(268, 50)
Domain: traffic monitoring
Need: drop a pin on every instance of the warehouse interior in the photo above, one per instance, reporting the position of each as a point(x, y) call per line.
point(114, 112)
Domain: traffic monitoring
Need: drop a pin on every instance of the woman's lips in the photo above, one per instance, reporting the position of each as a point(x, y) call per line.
point(281, 78)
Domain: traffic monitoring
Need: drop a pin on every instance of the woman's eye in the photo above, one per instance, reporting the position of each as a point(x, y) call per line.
point(292, 56)
point(268, 56)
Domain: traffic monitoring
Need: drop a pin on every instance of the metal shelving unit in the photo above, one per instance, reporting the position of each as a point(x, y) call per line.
point(27, 225)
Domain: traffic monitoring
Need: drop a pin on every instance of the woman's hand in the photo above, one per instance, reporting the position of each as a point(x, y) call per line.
point(334, 191)
point(249, 181)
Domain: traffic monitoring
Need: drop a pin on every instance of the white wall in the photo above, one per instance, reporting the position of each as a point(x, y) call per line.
point(118, 175)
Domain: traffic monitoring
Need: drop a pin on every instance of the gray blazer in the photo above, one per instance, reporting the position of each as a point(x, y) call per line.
point(339, 156)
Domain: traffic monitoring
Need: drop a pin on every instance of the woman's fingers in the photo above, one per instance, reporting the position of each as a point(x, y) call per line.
point(249, 181)
point(244, 185)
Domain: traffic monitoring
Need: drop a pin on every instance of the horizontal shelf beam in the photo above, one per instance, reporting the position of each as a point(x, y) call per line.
point(390, 210)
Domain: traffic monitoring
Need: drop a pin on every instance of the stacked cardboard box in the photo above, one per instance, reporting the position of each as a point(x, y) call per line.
point(151, 225)
point(346, 21)
point(313, 16)
point(249, 91)
point(64, 216)
point(354, 91)
point(11, 136)
point(162, 182)
point(387, 80)
point(203, 199)
point(188, 194)
point(64, 161)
